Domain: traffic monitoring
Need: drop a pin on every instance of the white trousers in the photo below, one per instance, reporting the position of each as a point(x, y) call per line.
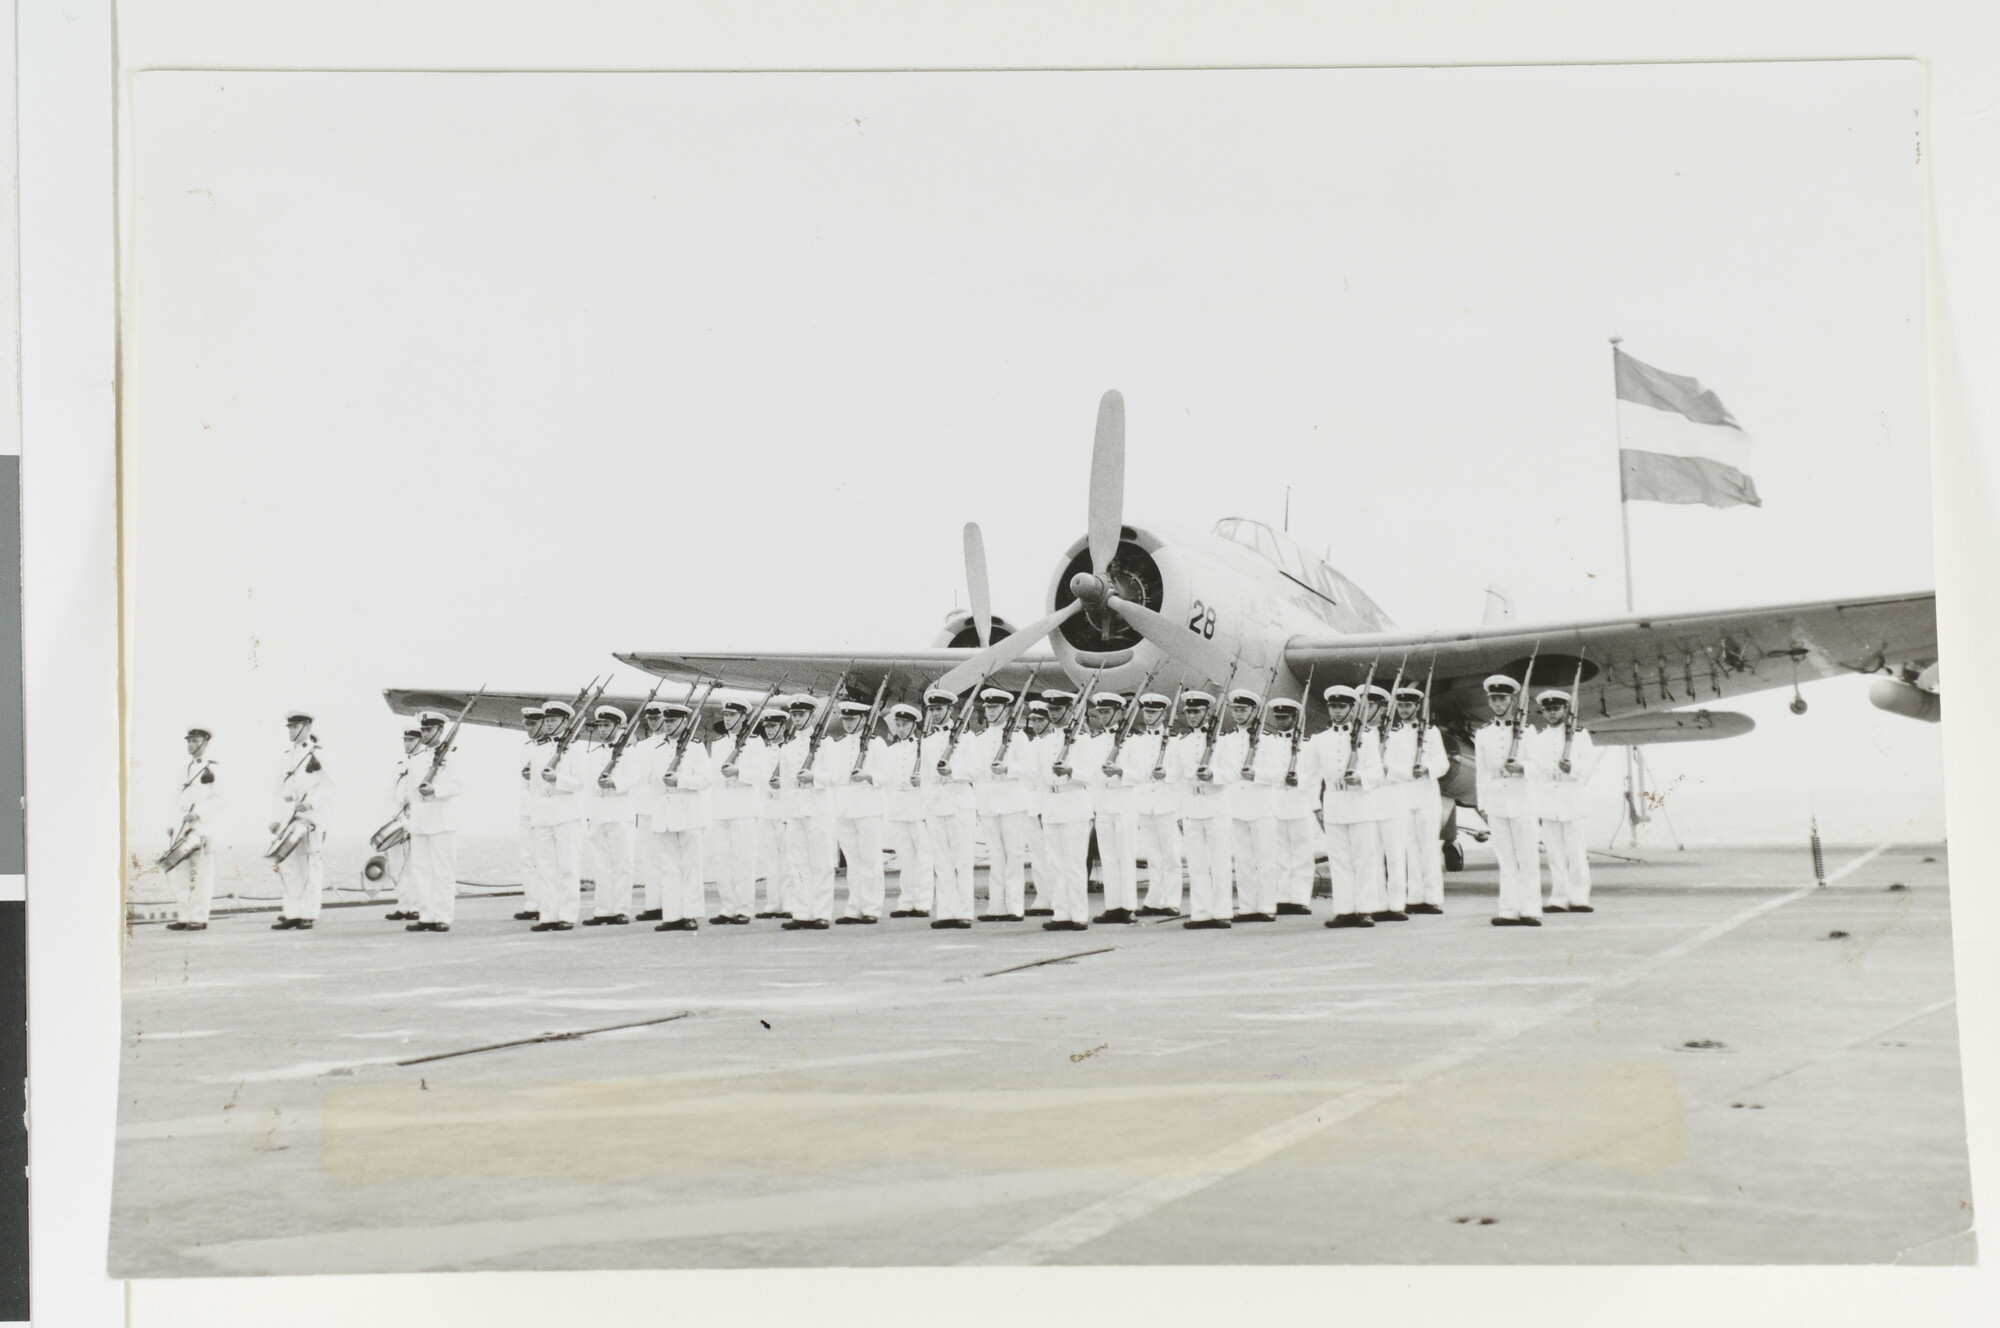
point(773, 864)
point(1210, 844)
point(557, 851)
point(1159, 839)
point(682, 889)
point(952, 856)
point(861, 841)
point(646, 861)
point(1008, 839)
point(1514, 843)
point(531, 873)
point(396, 872)
point(1426, 848)
point(303, 876)
point(1395, 835)
point(813, 852)
point(910, 841)
point(1118, 849)
point(434, 876)
point(1569, 867)
point(735, 844)
point(1298, 837)
point(1036, 850)
point(1255, 852)
point(193, 885)
point(612, 858)
point(1063, 868)
point(1354, 862)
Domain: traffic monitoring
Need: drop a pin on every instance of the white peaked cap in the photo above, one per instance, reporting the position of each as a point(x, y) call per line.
point(1191, 697)
point(1282, 703)
point(1500, 682)
point(1553, 695)
point(610, 712)
point(1155, 699)
point(996, 694)
point(1337, 692)
point(904, 710)
point(939, 696)
point(1244, 696)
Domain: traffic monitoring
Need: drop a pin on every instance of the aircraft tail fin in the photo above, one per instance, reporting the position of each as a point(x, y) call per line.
point(1499, 605)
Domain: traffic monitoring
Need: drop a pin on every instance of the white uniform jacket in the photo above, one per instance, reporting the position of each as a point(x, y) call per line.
point(1009, 791)
point(303, 783)
point(836, 768)
point(1204, 800)
point(1302, 797)
point(437, 814)
point(1400, 758)
point(1559, 796)
point(561, 802)
point(814, 800)
point(1116, 793)
point(685, 805)
point(1256, 798)
point(1152, 797)
point(742, 797)
point(197, 789)
point(947, 797)
point(1332, 751)
point(1501, 794)
point(1066, 799)
point(903, 800)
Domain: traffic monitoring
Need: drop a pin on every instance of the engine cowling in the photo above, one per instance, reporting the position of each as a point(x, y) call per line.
point(959, 632)
point(1906, 699)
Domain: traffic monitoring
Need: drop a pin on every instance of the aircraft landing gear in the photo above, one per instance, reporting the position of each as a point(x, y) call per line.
point(1454, 856)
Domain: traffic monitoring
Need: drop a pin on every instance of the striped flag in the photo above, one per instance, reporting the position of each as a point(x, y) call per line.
point(1677, 442)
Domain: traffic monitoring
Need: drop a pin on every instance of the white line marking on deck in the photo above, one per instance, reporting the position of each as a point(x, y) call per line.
point(1197, 1174)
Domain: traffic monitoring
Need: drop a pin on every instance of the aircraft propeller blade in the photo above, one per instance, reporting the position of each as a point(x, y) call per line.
point(1191, 652)
point(1107, 483)
point(975, 584)
point(1006, 650)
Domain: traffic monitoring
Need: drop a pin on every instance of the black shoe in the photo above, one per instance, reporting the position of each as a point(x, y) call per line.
point(920, 912)
point(543, 926)
point(679, 924)
point(1390, 915)
point(1294, 911)
point(562, 926)
point(195, 926)
point(1555, 908)
point(424, 926)
point(1114, 915)
point(1512, 922)
point(440, 926)
point(793, 925)
point(1575, 908)
point(1041, 913)
point(1351, 920)
point(847, 920)
point(1154, 911)
point(526, 915)
point(1256, 917)
point(989, 917)
point(815, 924)
point(902, 912)
point(1206, 924)
point(302, 924)
point(768, 915)
point(950, 924)
point(1065, 926)
point(781, 915)
point(721, 920)
point(1530, 922)
point(649, 915)
point(595, 921)
point(1424, 908)
point(177, 926)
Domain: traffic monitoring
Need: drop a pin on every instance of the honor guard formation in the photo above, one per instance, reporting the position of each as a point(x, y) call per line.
point(767, 801)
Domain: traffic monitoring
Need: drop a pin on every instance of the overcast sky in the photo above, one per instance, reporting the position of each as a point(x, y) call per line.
point(440, 380)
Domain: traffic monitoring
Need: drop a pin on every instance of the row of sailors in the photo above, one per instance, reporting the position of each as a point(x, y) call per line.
point(774, 806)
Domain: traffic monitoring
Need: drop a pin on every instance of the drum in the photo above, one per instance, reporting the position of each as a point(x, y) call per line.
point(375, 868)
point(185, 846)
point(390, 835)
point(288, 841)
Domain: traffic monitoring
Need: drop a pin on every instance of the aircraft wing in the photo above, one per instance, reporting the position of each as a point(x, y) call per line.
point(500, 709)
point(909, 671)
point(1645, 663)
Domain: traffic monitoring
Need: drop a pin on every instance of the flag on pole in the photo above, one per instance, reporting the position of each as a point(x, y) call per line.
point(1677, 442)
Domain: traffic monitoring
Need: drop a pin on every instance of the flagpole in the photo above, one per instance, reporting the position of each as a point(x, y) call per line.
point(1624, 506)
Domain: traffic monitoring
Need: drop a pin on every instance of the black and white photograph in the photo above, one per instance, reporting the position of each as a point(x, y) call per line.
point(1193, 668)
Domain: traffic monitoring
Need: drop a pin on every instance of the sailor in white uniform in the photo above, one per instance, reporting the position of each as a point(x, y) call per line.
point(742, 767)
point(1206, 777)
point(435, 787)
point(612, 819)
point(191, 880)
point(681, 777)
point(1115, 791)
point(1507, 801)
point(773, 729)
point(557, 815)
point(1002, 770)
point(1156, 806)
point(1414, 763)
point(850, 766)
point(1391, 811)
point(1560, 762)
point(1254, 808)
point(1348, 762)
point(904, 804)
point(1048, 720)
point(304, 789)
point(951, 812)
point(812, 845)
point(1296, 762)
point(1065, 797)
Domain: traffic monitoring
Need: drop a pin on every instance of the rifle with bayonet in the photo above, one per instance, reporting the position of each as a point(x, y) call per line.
point(1569, 720)
point(443, 748)
point(750, 721)
point(688, 732)
point(1015, 719)
point(632, 726)
point(1131, 721)
point(1061, 764)
point(819, 729)
point(1356, 723)
point(1417, 770)
point(1521, 711)
point(868, 729)
point(1299, 730)
point(958, 728)
point(1213, 729)
point(1167, 733)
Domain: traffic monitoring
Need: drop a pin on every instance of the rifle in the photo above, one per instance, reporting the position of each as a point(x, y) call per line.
point(1521, 706)
point(1389, 710)
point(749, 722)
point(868, 730)
point(625, 737)
point(1299, 731)
point(1569, 720)
point(1424, 724)
point(1167, 732)
point(1131, 721)
point(443, 749)
point(1250, 748)
point(1075, 725)
point(1355, 724)
point(958, 727)
point(819, 730)
point(687, 733)
point(578, 720)
point(1014, 720)
point(917, 752)
point(1214, 725)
